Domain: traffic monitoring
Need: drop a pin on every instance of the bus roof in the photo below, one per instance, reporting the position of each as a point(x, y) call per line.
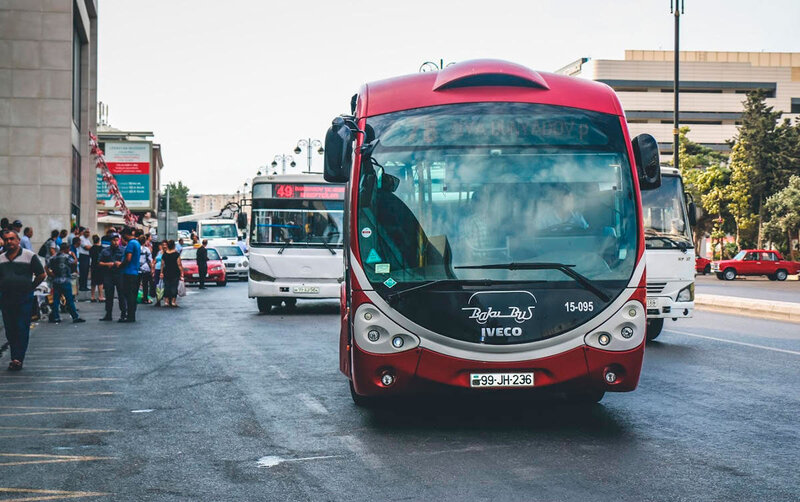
point(290, 178)
point(483, 80)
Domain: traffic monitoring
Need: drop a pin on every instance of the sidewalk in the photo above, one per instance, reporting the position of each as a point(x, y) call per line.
point(767, 309)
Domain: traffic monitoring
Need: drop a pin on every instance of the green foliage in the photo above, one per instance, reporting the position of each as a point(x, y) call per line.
point(784, 210)
point(178, 198)
point(739, 195)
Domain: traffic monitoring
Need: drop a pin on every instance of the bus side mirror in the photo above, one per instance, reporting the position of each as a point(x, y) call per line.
point(241, 221)
point(645, 152)
point(338, 152)
point(692, 214)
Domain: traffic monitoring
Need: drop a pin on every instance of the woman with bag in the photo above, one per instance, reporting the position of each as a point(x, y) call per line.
point(171, 273)
point(158, 290)
point(145, 270)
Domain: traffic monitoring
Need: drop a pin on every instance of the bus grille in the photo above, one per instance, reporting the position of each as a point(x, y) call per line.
point(655, 287)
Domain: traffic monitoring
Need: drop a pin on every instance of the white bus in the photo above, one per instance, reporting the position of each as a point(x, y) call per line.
point(669, 251)
point(295, 239)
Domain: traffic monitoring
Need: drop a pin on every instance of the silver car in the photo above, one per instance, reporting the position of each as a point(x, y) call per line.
point(235, 261)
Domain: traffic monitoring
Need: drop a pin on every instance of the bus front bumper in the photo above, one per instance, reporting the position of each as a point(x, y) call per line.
point(293, 289)
point(420, 369)
point(665, 307)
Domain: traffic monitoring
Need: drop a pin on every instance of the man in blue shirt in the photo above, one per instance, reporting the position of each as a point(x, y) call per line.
point(130, 273)
point(111, 261)
point(60, 268)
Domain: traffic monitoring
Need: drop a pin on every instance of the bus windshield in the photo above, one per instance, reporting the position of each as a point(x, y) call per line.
point(297, 215)
point(665, 216)
point(218, 231)
point(450, 188)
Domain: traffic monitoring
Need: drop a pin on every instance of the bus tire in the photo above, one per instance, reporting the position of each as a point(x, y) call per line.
point(729, 274)
point(264, 304)
point(654, 327)
point(290, 303)
point(707, 270)
point(222, 284)
point(781, 275)
point(590, 396)
point(361, 401)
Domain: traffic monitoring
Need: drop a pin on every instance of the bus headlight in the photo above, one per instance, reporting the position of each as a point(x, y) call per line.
point(686, 294)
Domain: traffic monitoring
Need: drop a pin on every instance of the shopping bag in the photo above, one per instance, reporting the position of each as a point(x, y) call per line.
point(181, 288)
point(160, 290)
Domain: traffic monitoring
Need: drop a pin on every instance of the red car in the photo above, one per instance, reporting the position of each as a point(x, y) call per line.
point(216, 269)
point(755, 262)
point(702, 265)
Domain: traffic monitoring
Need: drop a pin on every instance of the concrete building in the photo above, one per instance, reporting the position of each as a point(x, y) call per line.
point(713, 87)
point(206, 203)
point(48, 96)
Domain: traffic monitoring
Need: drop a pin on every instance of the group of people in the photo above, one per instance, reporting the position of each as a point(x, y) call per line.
point(121, 263)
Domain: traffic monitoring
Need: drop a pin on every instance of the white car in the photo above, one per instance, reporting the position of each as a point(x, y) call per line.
point(236, 264)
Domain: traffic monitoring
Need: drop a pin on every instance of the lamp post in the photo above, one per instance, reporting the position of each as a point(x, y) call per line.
point(283, 159)
point(676, 8)
point(308, 144)
point(431, 66)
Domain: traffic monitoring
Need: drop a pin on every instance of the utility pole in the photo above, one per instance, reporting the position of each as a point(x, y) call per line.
point(676, 8)
point(166, 217)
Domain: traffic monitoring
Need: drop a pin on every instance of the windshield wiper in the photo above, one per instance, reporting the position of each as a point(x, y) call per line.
point(286, 242)
point(566, 269)
point(653, 234)
point(327, 246)
point(439, 282)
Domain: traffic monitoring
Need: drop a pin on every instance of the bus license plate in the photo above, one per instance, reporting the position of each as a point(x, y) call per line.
point(306, 289)
point(501, 380)
point(652, 302)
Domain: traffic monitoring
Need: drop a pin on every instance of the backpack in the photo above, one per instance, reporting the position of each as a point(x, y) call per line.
point(44, 251)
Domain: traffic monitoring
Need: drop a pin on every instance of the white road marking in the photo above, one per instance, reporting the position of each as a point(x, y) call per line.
point(356, 446)
point(753, 345)
point(272, 460)
point(313, 404)
point(278, 372)
point(146, 410)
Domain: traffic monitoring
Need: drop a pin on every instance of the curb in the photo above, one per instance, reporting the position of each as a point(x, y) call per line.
point(766, 309)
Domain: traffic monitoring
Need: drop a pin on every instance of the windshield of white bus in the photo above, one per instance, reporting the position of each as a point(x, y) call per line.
point(297, 214)
point(496, 183)
point(665, 217)
point(218, 231)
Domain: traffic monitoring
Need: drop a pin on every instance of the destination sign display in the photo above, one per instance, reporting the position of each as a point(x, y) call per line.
point(306, 191)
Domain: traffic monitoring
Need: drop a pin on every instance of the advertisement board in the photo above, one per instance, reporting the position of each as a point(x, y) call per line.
point(129, 162)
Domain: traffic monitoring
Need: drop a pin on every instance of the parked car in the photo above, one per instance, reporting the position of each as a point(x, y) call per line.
point(216, 269)
point(755, 262)
point(234, 260)
point(702, 265)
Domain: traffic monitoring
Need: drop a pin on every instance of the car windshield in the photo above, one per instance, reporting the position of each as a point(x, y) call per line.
point(282, 218)
point(218, 231)
point(665, 216)
point(490, 183)
point(740, 255)
point(191, 254)
point(226, 251)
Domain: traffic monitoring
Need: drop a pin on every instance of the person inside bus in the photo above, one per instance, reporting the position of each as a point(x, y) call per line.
point(557, 210)
point(487, 240)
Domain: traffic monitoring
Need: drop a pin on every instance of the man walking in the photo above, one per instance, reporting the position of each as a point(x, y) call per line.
point(130, 272)
point(20, 272)
point(25, 240)
point(111, 261)
point(83, 260)
point(60, 269)
point(202, 263)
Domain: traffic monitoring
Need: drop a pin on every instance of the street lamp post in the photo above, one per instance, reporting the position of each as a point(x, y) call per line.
point(283, 159)
point(431, 66)
point(308, 144)
point(676, 8)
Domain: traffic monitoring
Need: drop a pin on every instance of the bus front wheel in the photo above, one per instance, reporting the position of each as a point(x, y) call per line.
point(589, 396)
point(264, 304)
point(361, 401)
point(654, 327)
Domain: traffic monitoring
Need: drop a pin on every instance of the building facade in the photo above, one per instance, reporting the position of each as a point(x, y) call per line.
point(206, 203)
point(713, 87)
point(48, 96)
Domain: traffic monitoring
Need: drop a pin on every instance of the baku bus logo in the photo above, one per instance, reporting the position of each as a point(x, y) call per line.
point(517, 306)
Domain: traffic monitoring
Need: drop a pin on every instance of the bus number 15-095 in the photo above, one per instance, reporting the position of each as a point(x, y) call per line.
point(579, 306)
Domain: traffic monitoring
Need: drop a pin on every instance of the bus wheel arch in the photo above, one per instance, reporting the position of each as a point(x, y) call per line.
point(654, 327)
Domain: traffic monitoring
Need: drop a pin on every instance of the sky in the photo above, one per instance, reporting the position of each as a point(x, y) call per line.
point(227, 86)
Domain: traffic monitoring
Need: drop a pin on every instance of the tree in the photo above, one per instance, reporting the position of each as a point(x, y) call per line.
point(696, 159)
point(739, 195)
point(178, 198)
point(784, 208)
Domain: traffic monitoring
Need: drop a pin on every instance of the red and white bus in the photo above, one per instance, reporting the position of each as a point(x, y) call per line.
point(493, 233)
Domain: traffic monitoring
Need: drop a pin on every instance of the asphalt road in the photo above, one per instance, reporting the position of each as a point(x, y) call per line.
point(750, 287)
point(215, 402)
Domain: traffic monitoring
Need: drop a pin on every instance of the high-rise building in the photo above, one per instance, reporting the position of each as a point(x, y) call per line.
point(48, 96)
point(712, 88)
point(206, 203)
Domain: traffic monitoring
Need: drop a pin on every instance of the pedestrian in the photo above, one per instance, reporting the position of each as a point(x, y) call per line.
point(62, 236)
point(105, 240)
point(171, 273)
point(145, 269)
point(130, 272)
point(96, 270)
point(4, 224)
point(60, 270)
point(50, 247)
point(2, 248)
point(21, 272)
point(84, 260)
point(110, 261)
point(202, 263)
point(179, 245)
point(25, 240)
point(162, 248)
point(195, 241)
point(17, 227)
